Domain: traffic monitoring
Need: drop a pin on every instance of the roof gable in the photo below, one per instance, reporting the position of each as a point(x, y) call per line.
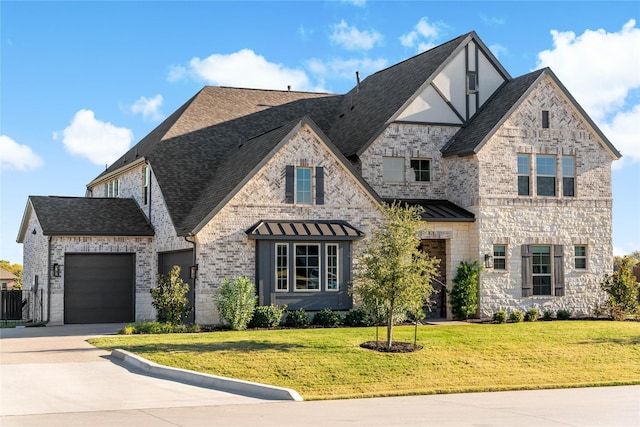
point(84, 216)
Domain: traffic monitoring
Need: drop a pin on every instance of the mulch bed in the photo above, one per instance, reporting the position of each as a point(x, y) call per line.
point(396, 346)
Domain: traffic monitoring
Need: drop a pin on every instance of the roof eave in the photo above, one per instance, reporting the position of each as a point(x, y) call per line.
point(22, 231)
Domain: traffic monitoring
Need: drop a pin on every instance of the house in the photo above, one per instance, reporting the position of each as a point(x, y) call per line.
point(7, 279)
point(281, 186)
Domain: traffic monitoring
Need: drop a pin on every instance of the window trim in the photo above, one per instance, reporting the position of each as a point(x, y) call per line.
point(414, 172)
point(336, 267)
point(472, 82)
point(520, 174)
point(577, 257)
point(497, 258)
point(278, 267)
point(295, 267)
point(543, 175)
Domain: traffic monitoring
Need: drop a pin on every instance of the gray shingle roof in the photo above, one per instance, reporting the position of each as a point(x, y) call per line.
point(83, 216)
point(438, 210)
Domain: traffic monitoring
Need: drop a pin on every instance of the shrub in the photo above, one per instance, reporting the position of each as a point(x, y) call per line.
point(464, 295)
point(531, 315)
point(327, 318)
point(236, 301)
point(267, 316)
point(169, 298)
point(500, 316)
point(563, 314)
point(622, 291)
point(158, 328)
point(357, 317)
point(548, 315)
point(516, 316)
point(298, 319)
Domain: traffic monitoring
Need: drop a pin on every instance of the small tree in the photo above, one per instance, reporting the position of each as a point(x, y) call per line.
point(464, 295)
point(392, 273)
point(622, 291)
point(236, 301)
point(170, 297)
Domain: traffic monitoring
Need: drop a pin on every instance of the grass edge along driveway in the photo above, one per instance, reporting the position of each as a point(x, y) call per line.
point(329, 364)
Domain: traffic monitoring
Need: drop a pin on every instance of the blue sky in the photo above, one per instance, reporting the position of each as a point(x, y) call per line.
point(81, 82)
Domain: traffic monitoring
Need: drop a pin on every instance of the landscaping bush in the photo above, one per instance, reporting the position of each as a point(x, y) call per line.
point(236, 301)
point(531, 315)
point(158, 328)
point(516, 316)
point(169, 298)
point(267, 316)
point(297, 319)
point(357, 317)
point(327, 318)
point(622, 291)
point(500, 316)
point(548, 315)
point(563, 314)
point(464, 295)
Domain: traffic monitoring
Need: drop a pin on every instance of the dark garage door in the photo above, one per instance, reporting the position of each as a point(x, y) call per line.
point(183, 259)
point(99, 288)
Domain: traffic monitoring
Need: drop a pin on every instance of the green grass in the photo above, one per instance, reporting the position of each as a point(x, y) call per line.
point(329, 364)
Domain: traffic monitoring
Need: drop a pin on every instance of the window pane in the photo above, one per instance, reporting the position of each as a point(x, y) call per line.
point(523, 164)
point(393, 169)
point(332, 267)
point(303, 186)
point(523, 186)
point(546, 165)
point(568, 187)
point(581, 263)
point(541, 285)
point(307, 267)
point(282, 270)
point(523, 175)
point(568, 166)
point(499, 250)
point(580, 250)
point(421, 170)
point(546, 186)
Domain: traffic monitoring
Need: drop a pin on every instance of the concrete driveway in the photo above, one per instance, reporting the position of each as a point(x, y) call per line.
point(53, 370)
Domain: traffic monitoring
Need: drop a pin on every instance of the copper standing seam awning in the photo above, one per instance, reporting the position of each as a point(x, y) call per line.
point(307, 230)
point(438, 210)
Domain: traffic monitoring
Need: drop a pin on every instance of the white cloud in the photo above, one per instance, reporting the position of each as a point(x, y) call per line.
point(424, 36)
point(498, 50)
point(242, 69)
point(345, 68)
point(600, 69)
point(14, 156)
point(356, 2)
point(149, 108)
point(492, 20)
point(351, 38)
point(100, 142)
point(618, 251)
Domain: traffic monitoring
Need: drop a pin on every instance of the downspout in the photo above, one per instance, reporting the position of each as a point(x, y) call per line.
point(193, 263)
point(150, 186)
point(48, 281)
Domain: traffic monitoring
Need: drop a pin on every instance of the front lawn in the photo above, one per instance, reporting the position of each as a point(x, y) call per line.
point(329, 363)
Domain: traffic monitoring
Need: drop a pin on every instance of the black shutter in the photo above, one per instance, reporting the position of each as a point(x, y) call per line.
point(558, 270)
point(527, 273)
point(319, 185)
point(289, 184)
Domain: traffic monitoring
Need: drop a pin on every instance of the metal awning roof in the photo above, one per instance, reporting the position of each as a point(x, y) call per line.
point(438, 210)
point(307, 230)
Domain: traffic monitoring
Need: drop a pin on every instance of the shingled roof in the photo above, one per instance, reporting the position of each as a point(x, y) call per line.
point(84, 216)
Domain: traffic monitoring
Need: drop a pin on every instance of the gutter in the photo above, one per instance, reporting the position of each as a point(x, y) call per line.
point(48, 283)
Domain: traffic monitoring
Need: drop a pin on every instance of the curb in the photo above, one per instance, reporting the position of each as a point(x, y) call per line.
point(229, 385)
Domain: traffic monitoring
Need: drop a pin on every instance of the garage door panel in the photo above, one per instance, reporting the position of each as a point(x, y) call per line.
point(99, 288)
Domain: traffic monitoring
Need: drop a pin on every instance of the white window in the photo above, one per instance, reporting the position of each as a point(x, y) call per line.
point(282, 267)
point(580, 256)
point(393, 169)
point(541, 270)
point(568, 176)
point(546, 175)
point(332, 267)
point(499, 257)
point(145, 185)
point(303, 186)
point(421, 170)
point(112, 188)
point(523, 175)
point(307, 267)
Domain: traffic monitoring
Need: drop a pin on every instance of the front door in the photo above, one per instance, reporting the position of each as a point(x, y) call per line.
point(184, 260)
point(438, 304)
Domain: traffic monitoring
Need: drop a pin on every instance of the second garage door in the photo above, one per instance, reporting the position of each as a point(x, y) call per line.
point(99, 288)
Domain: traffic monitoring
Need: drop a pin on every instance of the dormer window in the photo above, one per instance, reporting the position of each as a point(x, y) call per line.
point(300, 183)
point(472, 82)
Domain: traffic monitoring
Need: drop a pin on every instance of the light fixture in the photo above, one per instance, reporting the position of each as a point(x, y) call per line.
point(488, 261)
point(56, 270)
point(194, 271)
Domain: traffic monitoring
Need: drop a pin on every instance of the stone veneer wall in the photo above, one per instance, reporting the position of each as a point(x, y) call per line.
point(224, 249)
point(512, 220)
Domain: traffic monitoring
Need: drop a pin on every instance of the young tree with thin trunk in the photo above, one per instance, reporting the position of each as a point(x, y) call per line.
point(392, 272)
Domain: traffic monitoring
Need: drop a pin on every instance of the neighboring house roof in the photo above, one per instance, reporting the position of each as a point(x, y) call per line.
point(7, 275)
point(83, 216)
point(438, 210)
point(320, 230)
point(471, 138)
